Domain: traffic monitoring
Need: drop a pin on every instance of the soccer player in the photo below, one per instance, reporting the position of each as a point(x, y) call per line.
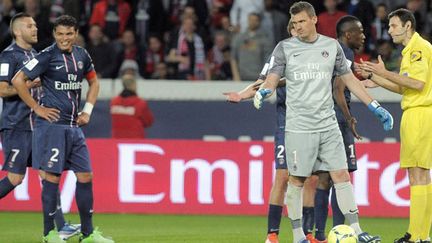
point(414, 83)
point(279, 186)
point(313, 141)
point(59, 142)
point(16, 121)
point(350, 35)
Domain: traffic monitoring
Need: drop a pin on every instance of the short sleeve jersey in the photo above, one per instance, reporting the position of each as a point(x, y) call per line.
point(417, 64)
point(16, 114)
point(308, 68)
point(61, 74)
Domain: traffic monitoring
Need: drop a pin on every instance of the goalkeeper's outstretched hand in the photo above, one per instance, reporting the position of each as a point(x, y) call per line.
point(260, 95)
point(383, 115)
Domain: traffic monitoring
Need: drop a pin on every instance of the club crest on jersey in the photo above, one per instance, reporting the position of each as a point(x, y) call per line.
point(325, 54)
point(80, 65)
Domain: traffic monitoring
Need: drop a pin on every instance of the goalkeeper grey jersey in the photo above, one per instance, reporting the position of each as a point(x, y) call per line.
point(308, 68)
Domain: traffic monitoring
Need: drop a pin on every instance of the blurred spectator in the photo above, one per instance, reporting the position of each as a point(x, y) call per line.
point(149, 16)
point(154, 55)
point(112, 16)
point(161, 72)
point(130, 114)
point(80, 41)
point(102, 53)
point(129, 47)
point(176, 9)
point(327, 20)
point(187, 51)
point(249, 50)
point(218, 10)
point(418, 8)
point(274, 22)
point(240, 11)
point(34, 9)
point(218, 59)
point(389, 55)
point(129, 67)
point(380, 24)
point(200, 27)
point(227, 28)
point(7, 10)
point(60, 7)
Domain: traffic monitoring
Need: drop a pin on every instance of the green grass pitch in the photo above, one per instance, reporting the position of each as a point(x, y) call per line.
point(130, 228)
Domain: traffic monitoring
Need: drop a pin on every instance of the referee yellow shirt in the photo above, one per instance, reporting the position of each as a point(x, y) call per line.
point(417, 64)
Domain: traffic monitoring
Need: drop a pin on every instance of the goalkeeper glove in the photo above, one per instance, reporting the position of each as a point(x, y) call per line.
point(260, 95)
point(383, 115)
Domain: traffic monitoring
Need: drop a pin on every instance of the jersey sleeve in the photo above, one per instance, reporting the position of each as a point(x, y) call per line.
point(341, 64)
point(7, 67)
point(38, 65)
point(419, 67)
point(88, 64)
point(277, 62)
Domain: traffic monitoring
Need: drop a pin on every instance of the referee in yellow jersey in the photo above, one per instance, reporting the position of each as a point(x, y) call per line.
point(414, 83)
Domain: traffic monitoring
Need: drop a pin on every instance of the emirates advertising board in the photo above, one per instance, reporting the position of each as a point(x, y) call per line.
point(197, 177)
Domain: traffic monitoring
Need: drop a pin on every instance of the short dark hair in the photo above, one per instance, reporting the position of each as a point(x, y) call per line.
point(66, 20)
point(404, 15)
point(302, 6)
point(343, 24)
point(15, 18)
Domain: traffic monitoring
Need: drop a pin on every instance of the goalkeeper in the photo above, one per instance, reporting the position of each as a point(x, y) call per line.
point(313, 141)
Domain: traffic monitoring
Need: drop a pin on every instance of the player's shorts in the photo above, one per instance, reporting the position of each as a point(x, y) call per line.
point(60, 147)
point(280, 159)
point(311, 152)
point(416, 138)
point(17, 150)
point(348, 140)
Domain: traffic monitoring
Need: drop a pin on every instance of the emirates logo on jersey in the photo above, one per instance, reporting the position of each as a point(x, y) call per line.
point(325, 54)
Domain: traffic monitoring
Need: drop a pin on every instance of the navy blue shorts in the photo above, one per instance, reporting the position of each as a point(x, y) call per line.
point(348, 139)
point(17, 150)
point(60, 147)
point(280, 158)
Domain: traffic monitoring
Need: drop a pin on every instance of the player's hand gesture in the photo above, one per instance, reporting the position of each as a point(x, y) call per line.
point(352, 122)
point(233, 97)
point(49, 114)
point(83, 119)
point(377, 68)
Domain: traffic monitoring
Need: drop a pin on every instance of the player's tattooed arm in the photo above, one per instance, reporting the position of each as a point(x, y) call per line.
point(338, 93)
point(19, 82)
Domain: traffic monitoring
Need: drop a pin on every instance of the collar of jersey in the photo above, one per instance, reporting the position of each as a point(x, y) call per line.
point(410, 43)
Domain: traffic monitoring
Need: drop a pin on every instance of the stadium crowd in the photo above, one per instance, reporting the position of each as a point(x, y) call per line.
point(202, 39)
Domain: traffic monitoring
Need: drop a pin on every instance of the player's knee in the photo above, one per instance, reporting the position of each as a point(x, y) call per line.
point(15, 179)
point(324, 181)
point(84, 177)
point(340, 176)
point(297, 181)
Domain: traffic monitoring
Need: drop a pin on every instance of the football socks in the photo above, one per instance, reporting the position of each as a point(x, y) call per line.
point(84, 199)
point(418, 197)
point(5, 187)
point(274, 218)
point(321, 212)
point(49, 204)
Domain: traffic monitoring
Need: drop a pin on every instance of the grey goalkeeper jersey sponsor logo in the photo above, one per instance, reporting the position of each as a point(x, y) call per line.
point(308, 69)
